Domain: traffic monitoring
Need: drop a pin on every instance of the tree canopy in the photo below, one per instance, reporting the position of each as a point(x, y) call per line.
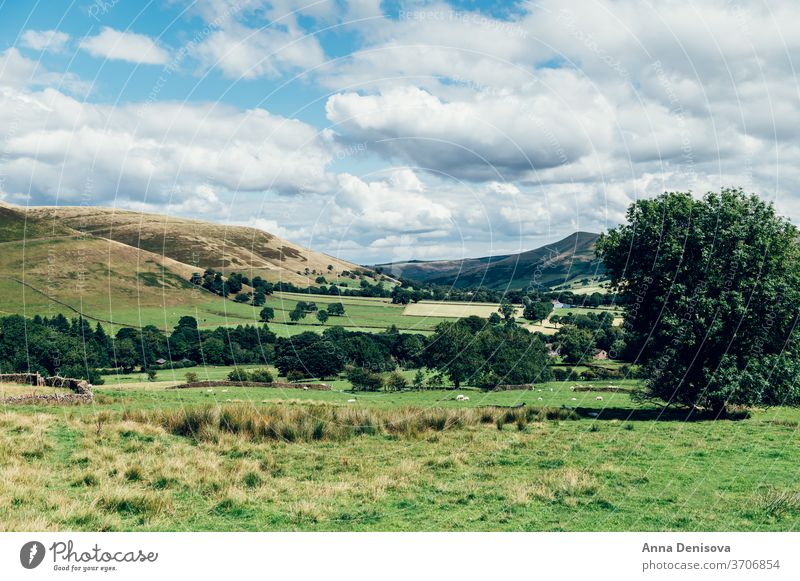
point(712, 291)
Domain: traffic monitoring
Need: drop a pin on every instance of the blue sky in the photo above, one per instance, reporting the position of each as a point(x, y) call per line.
point(395, 130)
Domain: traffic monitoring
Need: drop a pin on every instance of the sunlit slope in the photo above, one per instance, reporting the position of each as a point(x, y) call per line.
point(201, 244)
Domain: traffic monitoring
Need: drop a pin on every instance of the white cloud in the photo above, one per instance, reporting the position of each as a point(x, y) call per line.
point(126, 46)
point(241, 52)
point(166, 153)
point(44, 40)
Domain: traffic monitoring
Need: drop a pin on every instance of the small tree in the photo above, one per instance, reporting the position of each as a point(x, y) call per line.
point(419, 379)
point(242, 297)
point(507, 310)
point(575, 345)
point(259, 298)
point(151, 375)
point(363, 379)
point(267, 314)
point(322, 316)
point(396, 382)
point(190, 377)
point(336, 309)
point(297, 314)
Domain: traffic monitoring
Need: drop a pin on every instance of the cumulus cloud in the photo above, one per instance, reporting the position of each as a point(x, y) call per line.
point(507, 136)
point(136, 48)
point(395, 204)
point(241, 52)
point(66, 150)
point(44, 40)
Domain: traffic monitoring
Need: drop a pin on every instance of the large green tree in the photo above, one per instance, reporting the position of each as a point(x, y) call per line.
point(712, 292)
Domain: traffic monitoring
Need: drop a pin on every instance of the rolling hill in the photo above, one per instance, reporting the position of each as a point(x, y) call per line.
point(551, 265)
point(197, 243)
point(134, 268)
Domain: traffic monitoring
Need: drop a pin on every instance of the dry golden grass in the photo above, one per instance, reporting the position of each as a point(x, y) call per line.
point(15, 389)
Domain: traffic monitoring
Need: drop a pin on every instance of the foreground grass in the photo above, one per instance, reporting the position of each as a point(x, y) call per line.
point(192, 460)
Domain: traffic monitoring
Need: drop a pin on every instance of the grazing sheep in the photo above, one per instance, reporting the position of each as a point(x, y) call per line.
point(466, 398)
point(351, 401)
point(540, 399)
point(574, 399)
point(224, 391)
point(599, 398)
point(210, 390)
point(460, 397)
point(305, 387)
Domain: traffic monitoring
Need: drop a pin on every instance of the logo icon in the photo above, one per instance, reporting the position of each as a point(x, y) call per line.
point(31, 554)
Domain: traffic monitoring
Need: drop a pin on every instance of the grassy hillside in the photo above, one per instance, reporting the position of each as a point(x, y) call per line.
point(134, 269)
point(16, 224)
point(567, 260)
point(200, 244)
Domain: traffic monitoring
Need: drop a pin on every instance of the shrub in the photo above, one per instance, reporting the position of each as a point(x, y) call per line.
point(363, 379)
point(261, 375)
point(396, 381)
point(237, 375)
point(151, 375)
point(294, 376)
point(561, 373)
point(191, 377)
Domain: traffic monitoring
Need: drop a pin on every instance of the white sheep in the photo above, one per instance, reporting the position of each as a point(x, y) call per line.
point(540, 399)
point(460, 397)
point(224, 391)
point(599, 398)
point(210, 390)
point(466, 398)
point(574, 399)
point(351, 401)
point(305, 387)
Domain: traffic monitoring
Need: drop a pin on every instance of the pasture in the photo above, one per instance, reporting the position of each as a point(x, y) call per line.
point(146, 457)
point(456, 310)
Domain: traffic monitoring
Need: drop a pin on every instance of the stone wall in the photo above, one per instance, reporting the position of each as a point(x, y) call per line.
point(29, 378)
point(76, 385)
point(276, 384)
point(59, 398)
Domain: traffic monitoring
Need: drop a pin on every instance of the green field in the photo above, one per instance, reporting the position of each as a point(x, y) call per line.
point(361, 313)
point(120, 465)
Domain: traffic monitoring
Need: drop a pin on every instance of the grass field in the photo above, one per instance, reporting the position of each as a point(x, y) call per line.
point(428, 462)
point(451, 309)
point(15, 389)
point(361, 313)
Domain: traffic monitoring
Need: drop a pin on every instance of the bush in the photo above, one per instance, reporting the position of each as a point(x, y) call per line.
point(237, 375)
point(151, 375)
point(261, 375)
point(396, 381)
point(191, 377)
point(254, 375)
point(294, 376)
point(561, 373)
point(363, 379)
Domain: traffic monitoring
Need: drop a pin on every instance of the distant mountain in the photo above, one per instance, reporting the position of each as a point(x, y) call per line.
point(572, 258)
